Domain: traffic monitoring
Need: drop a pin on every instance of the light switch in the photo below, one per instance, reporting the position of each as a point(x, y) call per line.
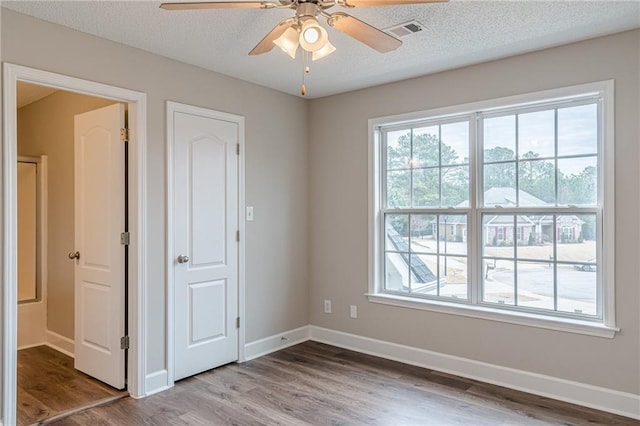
point(250, 214)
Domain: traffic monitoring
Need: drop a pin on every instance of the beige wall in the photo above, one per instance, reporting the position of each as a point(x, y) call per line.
point(339, 202)
point(45, 127)
point(275, 161)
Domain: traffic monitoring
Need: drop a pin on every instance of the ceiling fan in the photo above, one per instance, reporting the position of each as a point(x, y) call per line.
point(303, 29)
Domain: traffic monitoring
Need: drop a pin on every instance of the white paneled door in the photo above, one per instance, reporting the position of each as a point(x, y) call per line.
point(205, 247)
point(99, 254)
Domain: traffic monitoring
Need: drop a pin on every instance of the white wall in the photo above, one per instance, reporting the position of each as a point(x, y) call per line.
point(275, 161)
point(338, 215)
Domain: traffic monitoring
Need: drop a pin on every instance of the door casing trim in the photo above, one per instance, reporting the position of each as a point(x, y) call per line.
point(172, 107)
point(137, 104)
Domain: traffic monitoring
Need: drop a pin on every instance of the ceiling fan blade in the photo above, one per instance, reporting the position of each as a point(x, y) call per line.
point(218, 5)
point(367, 3)
point(363, 32)
point(266, 44)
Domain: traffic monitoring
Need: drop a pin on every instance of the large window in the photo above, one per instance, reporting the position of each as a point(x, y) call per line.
point(498, 207)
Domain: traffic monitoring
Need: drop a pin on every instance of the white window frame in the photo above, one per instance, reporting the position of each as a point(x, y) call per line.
point(602, 327)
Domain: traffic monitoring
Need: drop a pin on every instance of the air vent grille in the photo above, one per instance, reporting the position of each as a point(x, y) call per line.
point(405, 29)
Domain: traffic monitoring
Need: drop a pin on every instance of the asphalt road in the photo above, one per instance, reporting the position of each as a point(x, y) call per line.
point(573, 284)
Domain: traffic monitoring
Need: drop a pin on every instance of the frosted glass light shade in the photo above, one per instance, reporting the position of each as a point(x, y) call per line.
point(312, 36)
point(325, 50)
point(288, 42)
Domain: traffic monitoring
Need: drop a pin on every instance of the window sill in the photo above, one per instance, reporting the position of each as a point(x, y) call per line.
point(520, 318)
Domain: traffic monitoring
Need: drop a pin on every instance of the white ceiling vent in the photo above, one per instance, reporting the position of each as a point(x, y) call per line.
point(403, 30)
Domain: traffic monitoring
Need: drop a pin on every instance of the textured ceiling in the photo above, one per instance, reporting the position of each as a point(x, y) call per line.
point(455, 34)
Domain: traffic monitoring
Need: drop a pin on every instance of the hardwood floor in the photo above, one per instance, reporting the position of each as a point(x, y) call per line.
point(317, 384)
point(49, 386)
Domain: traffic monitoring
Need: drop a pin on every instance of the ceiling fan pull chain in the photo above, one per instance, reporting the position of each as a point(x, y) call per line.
point(305, 70)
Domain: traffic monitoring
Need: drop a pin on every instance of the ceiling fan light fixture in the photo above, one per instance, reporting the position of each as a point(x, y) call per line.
point(288, 42)
point(325, 50)
point(312, 36)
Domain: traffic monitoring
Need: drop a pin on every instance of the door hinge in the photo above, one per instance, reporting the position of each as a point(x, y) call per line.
point(237, 149)
point(124, 342)
point(238, 236)
point(125, 238)
point(124, 135)
point(237, 322)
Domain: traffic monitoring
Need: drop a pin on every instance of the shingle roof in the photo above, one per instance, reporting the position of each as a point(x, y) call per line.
point(421, 271)
point(507, 197)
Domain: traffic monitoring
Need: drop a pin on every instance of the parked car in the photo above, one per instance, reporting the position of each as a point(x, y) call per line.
point(588, 266)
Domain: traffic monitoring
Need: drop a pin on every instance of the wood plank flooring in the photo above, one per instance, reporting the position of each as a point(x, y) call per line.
point(317, 384)
point(49, 386)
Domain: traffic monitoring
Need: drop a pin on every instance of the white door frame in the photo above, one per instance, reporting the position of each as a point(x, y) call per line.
point(173, 107)
point(137, 104)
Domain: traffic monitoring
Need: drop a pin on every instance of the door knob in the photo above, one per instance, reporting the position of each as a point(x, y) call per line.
point(183, 258)
point(75, 255)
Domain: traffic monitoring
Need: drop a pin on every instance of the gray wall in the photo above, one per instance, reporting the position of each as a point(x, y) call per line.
point(275, 161)
point(46, 127)
point(339, 202)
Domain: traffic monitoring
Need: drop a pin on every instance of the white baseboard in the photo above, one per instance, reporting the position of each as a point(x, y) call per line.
point(622, 403)
point(276, 342)
point(32, 318)
point(60, 343)
point(156, 382)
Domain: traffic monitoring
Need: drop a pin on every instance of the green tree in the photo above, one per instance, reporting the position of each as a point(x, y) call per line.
point(537, 177)
point(418, 161)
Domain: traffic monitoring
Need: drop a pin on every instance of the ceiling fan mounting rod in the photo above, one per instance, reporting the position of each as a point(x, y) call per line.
point(307, 10)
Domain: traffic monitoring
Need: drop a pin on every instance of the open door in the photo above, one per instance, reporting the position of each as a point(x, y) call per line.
point(99, 255)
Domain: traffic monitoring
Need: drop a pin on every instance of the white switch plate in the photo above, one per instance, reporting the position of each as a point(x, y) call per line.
point(353, 311)
point(250, 214)
point(327, 306)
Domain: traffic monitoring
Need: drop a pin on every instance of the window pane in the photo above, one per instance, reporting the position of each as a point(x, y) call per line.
point(452, 234)
point(499, 138)
point(455, 143)
point(424, 233)
point(453, 272)
point(398, 149)
point(399, 188)
point(497, 235)
point(426, 145)
point(455, 186)
point(578, 130)
point(498, 283)
point(396, 272)
point(499, 178)
point(577, 290)
point(397, 264)
point(537, 179)
point(536, 134)
point(576, 236)
point(397, 232)
point(535, 285)
point(426, 188)
point(535, 237)
point(424, 274)
point(578, 181)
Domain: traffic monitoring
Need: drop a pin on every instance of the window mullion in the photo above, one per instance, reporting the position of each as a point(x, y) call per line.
point(474, 238)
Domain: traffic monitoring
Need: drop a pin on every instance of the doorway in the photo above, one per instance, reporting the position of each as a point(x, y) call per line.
point(83, 201)
point(136, 104)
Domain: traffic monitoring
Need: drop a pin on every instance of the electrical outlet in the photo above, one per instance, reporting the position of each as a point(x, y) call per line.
point(353, 311)
point(327, 306)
